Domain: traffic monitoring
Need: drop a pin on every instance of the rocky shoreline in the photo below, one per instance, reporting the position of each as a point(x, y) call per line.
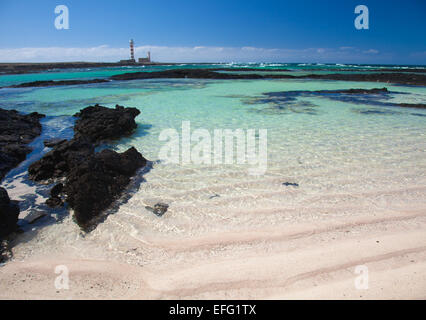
point(396, 78)
point(22, 68)
point(16, 132)
point(52, 83)
point(88, 181)
point(399, 78)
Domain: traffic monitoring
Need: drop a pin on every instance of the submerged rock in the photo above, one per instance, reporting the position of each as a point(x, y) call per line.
point(290, 184)
point(97, 182)
point(9, 212)
point(34, 216)
point(16, 132)
point(99, 123)
point(159, 208)
point(5, 251)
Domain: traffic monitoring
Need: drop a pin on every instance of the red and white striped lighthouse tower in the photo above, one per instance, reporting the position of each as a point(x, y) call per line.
point(132, 50)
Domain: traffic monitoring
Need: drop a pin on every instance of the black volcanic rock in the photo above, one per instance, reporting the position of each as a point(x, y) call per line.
point(54, 200)
point(16, 131)
point(50, 143)
point(19, 68)
point(414, 77)
point(63, 157)
point(184, 73)
point(94, 124)
point(93, 185)
point(411, 105)
point(9, 212)
point(356, 91)
point(52, 83)
point(389, 77)
point(92, 181)
point(290, 184)
point(159, 209)
point(56, 190)
point(99, 123)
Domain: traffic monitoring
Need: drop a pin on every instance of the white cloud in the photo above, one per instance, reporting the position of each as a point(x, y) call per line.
point(190, 54)
point(346, 48)
point(371, 51)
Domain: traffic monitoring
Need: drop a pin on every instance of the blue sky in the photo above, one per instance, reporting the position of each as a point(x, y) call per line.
point(203, 30)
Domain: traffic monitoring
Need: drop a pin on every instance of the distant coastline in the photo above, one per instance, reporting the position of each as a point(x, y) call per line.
point(34, 67)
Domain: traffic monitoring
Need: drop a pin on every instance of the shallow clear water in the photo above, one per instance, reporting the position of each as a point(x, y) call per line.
point(343, 154)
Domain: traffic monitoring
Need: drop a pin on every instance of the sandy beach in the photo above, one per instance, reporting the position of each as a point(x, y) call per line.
point(313, 256)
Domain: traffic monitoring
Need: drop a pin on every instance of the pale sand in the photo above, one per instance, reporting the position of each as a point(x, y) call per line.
point(313, 259)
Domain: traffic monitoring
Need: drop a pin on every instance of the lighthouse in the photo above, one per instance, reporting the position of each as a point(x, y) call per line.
point(132, 50)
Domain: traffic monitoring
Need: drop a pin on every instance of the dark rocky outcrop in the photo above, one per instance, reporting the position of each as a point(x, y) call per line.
point(53, 83)
point(184, 73)
point(411, 105)
point(389, 77)
point(356, 91)
point(99, 123)
point(18, 68)
point(400, 77)
point(16, 132)
point(55, 200)
point(61, 159)
point(92, 181)
point(94, 124)
point(50, 143)
point(96, 182)
point(56, 190)
point(9, 212)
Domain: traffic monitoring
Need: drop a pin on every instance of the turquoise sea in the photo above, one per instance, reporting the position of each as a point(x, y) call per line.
point(347, 154)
